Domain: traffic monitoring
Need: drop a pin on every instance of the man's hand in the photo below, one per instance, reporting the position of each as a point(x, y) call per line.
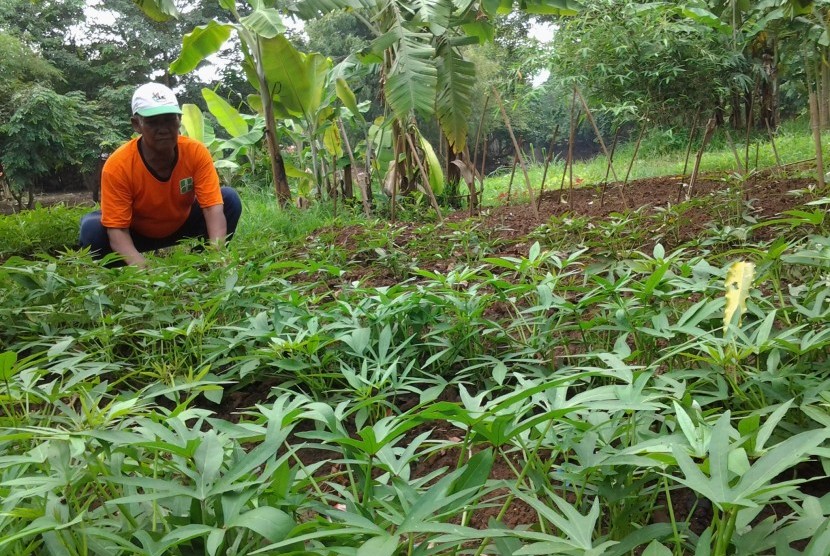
point(122, 243)
point(217, 226)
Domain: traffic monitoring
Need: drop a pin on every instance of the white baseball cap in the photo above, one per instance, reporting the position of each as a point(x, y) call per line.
point(153, 99)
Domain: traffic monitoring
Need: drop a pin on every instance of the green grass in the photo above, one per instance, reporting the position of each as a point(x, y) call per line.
point(41, 231)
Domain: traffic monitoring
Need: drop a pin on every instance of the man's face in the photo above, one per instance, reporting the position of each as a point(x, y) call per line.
point(158, 132)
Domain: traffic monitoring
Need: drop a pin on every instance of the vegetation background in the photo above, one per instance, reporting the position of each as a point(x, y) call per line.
point(612, 369)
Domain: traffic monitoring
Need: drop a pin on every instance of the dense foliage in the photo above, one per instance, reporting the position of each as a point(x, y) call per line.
point(616, 391)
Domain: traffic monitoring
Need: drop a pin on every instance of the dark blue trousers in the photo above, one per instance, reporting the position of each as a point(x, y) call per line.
point(94, 235)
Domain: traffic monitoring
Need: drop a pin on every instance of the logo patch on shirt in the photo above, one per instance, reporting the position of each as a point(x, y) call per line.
point(186, 185)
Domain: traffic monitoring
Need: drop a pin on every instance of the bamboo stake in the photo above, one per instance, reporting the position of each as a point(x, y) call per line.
point(518, 153)
point(483, 165)
point(749, 120)
point(608, 168)
point(774, 148)
point(474, 171)
point(601, 143)
point(425, 178)
point(636, 150)
point(395, 150)
point(596, 129)
point(512, 174)
point(707, 135)
point(547, 165)
point(814, 117)
point(473, 196)
point(360, 183)
point(571, 138)
point(755, 168)
point(692, 133)
point(739, 166)
point(571, 186)
point(333, 191)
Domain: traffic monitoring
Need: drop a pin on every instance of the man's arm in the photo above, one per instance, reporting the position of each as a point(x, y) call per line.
point(217, 226)
point(122, 243)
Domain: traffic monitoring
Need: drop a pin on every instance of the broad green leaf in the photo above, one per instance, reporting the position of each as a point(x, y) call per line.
point(656, 548)
point(482, 30)
point(347, 97)
point(60, 347)
point(769, 425)
point(175, 537)
point(293, 172)
point(707, 18)
point(296, 80)
point(476, 471)
point(200, 43)
point(456, 80)
point(8, 359)
point(214, 542)
point(158, 10)
point(738, 283)
point(332, 141)
point(255, 102)
point(193, 122)
point(638, 538)
point(265, 22)
point(551, 7)
point(270, 523)
point(436, 174)
point(384, 545)
point(208, 459)
point(227, 116)
point(434, 13)
point(412, 81)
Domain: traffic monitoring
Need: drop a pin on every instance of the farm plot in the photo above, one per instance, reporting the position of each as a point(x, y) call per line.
point(651, 381)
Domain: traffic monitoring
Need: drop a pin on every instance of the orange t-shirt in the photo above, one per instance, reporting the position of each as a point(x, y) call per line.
point(133, 197)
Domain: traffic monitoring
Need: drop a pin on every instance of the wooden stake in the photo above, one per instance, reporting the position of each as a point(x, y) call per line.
point(739, 167)
point(774, 148)
point(512, 175)
point(396, 151)
point(596, 130)
point(601, 143)
point(518, 152)
point(608, 168)
point(636, 149)
point(571, 139)
point(707, 135)
point(689, 146)
point(547, 165)
point(360, 183)
point(749, 120)
point(473, 196)
point(333, 191)
point(814, 118)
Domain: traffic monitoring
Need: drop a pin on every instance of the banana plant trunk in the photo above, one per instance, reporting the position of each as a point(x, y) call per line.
point(281, 190)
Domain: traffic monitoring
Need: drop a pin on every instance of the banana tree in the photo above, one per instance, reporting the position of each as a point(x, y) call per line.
point(243, 137)
point(254, 30)
point(306, 88)
point(423, 71)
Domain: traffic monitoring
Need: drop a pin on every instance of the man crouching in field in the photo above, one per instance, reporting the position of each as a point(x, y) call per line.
point(158, 188)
